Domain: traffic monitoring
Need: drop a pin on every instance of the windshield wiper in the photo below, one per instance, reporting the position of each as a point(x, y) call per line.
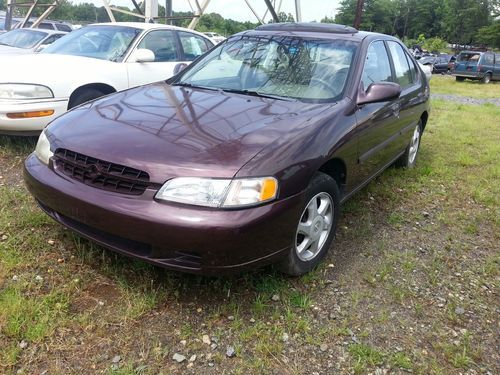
point(258, 94)
point(185, 84)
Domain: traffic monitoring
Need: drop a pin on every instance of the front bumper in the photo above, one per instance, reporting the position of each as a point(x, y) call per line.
point(185, 238)
point(29, 126)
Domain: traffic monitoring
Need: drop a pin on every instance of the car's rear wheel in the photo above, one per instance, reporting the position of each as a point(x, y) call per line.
point(487, 78)
point(315, 228)
point(84, 96)
point(409, 158)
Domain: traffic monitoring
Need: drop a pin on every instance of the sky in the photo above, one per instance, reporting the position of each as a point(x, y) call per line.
point(312, 10)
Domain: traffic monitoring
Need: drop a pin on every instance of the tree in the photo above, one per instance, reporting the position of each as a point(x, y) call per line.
point(489, 35)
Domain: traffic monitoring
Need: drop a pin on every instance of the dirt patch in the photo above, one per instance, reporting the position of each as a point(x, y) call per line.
point(94, 296)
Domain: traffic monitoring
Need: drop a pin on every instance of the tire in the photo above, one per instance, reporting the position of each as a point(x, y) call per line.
point(460, 79)
point(315, 229)
point(85, 96)
point(486, 78)
point(409, 158)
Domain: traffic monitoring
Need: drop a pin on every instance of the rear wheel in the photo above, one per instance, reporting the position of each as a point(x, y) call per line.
point(409, 158)
point(487, 78)
point(315, 227)
point(460, 79)
point(84, 96)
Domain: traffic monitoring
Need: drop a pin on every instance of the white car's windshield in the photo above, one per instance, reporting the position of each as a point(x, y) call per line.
point(100, 42)
point(22, 38)
point(287, 67)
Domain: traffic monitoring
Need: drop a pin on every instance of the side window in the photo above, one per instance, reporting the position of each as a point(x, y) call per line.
point(193, 45)
point(51, 39)
point(401, 67)
point(377, 67)
point(413, 69)
point(488, 58)
point(497, 58)
point(162, 43)
point(62, 27)
point(46, 26)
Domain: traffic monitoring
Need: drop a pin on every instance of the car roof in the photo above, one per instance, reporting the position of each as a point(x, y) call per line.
point(147, 26)
point(323, 30)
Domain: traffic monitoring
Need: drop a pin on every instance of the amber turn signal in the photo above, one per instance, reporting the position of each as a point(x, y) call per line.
point(33, 114)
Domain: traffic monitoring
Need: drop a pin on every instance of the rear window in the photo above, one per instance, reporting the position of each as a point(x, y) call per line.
point(469, 56)
point(488, 58)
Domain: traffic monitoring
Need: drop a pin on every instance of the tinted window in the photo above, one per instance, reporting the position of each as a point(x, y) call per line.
point(413, 69)
point(401, 67)
point(162, 43)
point(62, 27)
point(488, 58)
point(46, 26)
point(193, 45)
point(377, 67)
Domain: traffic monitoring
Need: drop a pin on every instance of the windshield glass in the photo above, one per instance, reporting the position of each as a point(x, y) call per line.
point(469, 56)
point(290, 67)
point(22, 38)
point(99, 42)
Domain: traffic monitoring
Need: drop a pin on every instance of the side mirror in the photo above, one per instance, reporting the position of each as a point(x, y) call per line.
point(379, 92)
point(143, 55)
point(179, 68)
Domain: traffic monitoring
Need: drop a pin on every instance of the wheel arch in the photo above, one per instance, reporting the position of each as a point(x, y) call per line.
point(103, 87)
point(336, 169)
point(423, 118)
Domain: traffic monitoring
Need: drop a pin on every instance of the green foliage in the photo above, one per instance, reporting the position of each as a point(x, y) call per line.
point(434, 44)
point(489, 35)
point(456, 21)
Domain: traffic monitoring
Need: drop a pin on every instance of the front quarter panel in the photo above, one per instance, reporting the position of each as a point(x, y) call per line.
point(294, 159)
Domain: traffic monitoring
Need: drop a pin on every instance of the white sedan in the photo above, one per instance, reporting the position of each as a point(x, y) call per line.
point(24, 41)
point(88, 63)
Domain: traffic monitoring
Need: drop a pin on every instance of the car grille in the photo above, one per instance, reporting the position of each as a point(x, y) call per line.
point(101, 174)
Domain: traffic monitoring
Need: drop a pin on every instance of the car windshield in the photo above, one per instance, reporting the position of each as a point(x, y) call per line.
point(99, 41)
point(282, 67)
point(22, 38)
point(469, 56)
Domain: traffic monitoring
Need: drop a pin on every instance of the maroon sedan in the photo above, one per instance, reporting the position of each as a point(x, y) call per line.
point(243, 158)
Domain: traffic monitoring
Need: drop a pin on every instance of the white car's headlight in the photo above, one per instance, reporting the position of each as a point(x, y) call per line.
point(42, 150)
point(219, 192)
point(24, 91)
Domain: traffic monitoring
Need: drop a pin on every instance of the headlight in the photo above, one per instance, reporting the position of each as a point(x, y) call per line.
point(42, 150)
point(219, 192)
point(24, 91)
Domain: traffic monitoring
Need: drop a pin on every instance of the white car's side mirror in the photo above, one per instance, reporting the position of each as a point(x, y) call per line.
point(143, 55)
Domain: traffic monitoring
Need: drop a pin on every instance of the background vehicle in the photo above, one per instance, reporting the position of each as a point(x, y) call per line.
point(243, 158)
point(49, 25)
point(484, 66)
point(23, 41)
point(442, 63)
point(88, 63)
point(214, 37)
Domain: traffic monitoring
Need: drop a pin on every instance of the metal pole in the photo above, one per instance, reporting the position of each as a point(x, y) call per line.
point(168, 12)
point(8, 16)
point(298, 11)
point(109, 11)
point(272, 11)
point(201, 10)
point(359, 11)
point(254, 12)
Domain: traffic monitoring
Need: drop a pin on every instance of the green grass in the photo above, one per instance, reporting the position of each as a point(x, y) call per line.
point(377, 307)
point(473, 89)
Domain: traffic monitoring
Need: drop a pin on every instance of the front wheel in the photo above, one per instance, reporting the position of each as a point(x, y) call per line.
point(84, 97)
point(315, 228)
point(409, 158)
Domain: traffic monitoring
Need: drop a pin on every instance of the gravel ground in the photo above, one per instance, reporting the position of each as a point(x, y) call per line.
point(466, 100)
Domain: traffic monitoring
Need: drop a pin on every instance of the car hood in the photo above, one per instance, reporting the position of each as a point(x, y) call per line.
point(55, 68)
point(171, 131)
point(8, 50)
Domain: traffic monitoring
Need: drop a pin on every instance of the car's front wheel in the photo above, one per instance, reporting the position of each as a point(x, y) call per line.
point(315, 228)
point(409, 158)
point(84, 96)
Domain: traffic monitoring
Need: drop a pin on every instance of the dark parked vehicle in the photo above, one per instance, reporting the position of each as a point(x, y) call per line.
point(484, 66)
point(244, 157)
point(440, 64)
